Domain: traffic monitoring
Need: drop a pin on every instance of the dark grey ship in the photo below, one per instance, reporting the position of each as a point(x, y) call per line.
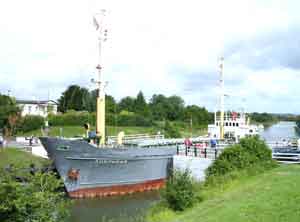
point(88, 171)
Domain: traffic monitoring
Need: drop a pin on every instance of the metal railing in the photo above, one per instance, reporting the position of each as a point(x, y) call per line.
point(201, 152)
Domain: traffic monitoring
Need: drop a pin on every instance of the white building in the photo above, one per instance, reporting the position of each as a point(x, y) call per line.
point(35, 107)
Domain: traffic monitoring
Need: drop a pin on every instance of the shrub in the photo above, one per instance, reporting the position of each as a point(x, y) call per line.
point(31, 122)
point(248, 153)
point(179, 192)
point(39, 199)
point(257, 148)
point(171, 131)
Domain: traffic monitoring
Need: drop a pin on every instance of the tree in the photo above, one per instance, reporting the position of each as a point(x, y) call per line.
point(141, 107)
point(175, 108)
point(127, 103)
point(9, 115)
point(158, 106)
point(199, 115)
point(170, 108)
point(75, 98)
point(110, 103)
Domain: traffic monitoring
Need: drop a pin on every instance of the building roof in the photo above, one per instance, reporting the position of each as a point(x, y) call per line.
point(21, 101)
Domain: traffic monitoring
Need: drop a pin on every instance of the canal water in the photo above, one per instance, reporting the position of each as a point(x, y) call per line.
point(281, 130)
point(128, 208)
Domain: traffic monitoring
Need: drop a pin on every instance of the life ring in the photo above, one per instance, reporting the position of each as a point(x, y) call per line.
point(73, 174)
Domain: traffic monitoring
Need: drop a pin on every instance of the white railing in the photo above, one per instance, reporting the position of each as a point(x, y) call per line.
point(135, 137)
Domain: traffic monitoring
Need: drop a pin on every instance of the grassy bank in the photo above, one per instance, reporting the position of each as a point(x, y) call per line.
point(71, 131)
point(271, 196)
point(19, 158)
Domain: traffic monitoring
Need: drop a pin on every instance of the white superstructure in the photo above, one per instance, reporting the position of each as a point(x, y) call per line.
point(236, 126)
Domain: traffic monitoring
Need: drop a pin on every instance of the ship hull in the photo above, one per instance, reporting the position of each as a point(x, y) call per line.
point(88, 171)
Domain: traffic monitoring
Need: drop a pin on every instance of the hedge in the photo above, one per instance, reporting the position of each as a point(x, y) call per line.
point(73, 118)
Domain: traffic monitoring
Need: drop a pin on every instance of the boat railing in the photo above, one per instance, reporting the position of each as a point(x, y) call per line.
point(135, 137)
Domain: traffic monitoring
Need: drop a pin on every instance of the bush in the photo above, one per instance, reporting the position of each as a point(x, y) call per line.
point(248, 153)
point(179, 192)
point(171, 131)
point(39, 199)
point(31, 122)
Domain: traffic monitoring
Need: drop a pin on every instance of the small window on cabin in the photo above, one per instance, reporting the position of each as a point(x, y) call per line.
point(237, 124)
point(63, 148)
point(217, 124)
point(230, 124)
point(226, 124)
point(233, 124)
point(251, 131)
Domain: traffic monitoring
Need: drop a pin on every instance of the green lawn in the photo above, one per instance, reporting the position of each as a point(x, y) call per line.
point(268, 197)
point(19, 158)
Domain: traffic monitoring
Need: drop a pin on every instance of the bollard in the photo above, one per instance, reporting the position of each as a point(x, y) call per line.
point(205, 153)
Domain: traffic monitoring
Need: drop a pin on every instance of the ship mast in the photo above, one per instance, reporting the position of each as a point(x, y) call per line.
point(100, 116)
point(221, 98)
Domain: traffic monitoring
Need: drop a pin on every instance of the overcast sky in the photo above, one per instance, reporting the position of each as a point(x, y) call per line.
point(163, 46)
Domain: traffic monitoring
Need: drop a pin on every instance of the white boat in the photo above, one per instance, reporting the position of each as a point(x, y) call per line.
point(230, 125)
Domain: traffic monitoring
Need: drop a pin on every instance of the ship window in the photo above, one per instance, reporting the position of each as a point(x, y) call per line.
point(63, 148)
point(226, 124)
point(217, 124)
point(251, 131)
point(230, 124)
point(233, 124)
point(237, 124)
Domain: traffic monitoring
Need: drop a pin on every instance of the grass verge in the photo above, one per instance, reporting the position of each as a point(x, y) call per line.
point(254, 196)
point(19, 158)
